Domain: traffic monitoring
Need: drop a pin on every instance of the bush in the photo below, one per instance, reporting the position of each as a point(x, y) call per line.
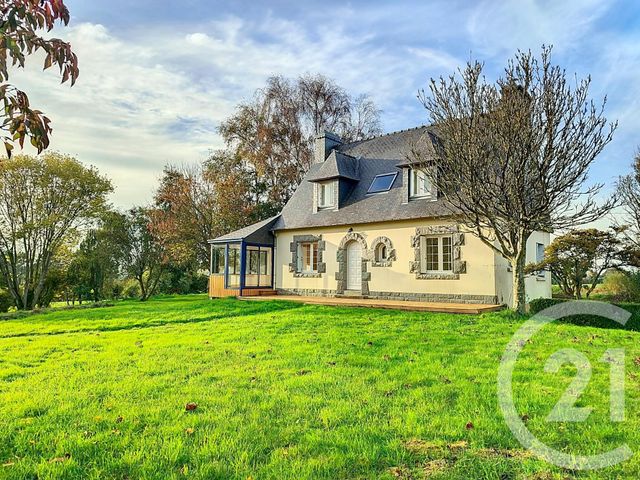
point(539, 304)
point(131, 289)
point(622, 286)
point(6, 301)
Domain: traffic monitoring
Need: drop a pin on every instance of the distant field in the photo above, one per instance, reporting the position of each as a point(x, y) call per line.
point(286, 391)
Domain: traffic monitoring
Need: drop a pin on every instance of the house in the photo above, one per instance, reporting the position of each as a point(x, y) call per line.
point(365, 221)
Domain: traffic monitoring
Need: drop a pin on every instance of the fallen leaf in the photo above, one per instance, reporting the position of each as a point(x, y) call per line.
point(189, 431)
point(189, 407)
point(469, 426)
point(119, 419)
point(9, 464)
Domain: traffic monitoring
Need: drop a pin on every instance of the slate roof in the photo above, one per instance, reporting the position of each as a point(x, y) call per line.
point(374, 156)
point(337, 165)
point(257, 233)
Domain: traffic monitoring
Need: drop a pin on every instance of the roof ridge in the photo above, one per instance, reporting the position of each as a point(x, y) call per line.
point(424, 125)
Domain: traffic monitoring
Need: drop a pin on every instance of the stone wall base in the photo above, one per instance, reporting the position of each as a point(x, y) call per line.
point(419, 297)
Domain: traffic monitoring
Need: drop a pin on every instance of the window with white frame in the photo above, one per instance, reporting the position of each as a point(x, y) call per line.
point(326, 194)
point(436, 254)
point(419, 183)
point(308, 257)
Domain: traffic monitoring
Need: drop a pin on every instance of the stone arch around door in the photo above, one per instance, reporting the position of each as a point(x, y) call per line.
point(341, 257)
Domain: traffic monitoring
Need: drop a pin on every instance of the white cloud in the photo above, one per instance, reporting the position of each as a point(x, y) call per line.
point(155, 95)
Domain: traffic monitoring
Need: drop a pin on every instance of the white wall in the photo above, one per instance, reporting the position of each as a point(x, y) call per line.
point(535, 286)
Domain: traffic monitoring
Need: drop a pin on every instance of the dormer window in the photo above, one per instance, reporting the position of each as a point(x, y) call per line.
point(326, 195)
point(419, 183)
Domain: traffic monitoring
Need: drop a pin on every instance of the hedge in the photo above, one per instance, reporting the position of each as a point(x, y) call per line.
point(539, 304)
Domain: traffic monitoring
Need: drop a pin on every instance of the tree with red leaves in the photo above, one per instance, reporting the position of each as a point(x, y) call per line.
point(20, 22)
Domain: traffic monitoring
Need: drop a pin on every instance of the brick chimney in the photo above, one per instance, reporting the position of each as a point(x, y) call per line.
point(325, 142)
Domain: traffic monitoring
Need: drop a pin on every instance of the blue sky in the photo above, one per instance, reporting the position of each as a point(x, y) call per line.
point(157, 77)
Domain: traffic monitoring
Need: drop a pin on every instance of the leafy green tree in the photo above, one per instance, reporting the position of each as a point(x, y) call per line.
point(20, 21)
point(44, 201)
point(142, 254)
point(580, 256)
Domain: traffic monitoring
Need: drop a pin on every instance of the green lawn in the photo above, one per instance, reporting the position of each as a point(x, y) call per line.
point(286, 391)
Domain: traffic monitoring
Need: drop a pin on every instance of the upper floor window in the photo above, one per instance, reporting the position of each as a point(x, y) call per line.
point(419, 183)
point(437, 254)
point(326, 194)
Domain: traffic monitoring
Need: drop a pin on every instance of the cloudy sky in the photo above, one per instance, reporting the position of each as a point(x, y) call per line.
point(158, 76)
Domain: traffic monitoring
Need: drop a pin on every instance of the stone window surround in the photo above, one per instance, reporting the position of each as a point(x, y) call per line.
point(293, 247)
point(391, 252)
point(341, 257)
point(459, 265)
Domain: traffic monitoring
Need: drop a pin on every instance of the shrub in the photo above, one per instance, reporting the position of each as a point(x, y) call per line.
point(5, 300)
point(539, 304)
point(131, 289)
point(622, 286)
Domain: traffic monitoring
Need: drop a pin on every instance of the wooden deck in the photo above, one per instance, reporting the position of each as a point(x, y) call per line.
point(468, 308)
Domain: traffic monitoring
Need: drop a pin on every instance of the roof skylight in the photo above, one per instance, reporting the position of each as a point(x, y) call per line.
point(382, 183)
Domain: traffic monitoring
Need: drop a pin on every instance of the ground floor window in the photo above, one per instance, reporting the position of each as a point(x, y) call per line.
point(436, 254)
point(308, 257)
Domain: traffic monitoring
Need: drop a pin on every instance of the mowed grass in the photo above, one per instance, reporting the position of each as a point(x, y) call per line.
point(286, 391)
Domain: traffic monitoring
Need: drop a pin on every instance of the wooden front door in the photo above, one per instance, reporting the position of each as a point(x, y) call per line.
point(354, 266)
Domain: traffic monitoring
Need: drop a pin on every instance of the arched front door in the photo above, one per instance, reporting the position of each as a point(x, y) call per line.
point(354, 266)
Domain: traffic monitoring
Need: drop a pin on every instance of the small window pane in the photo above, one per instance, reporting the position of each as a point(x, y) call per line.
point(447, 257)
point(420, 185)
point(432, 262)
point(382, 183)
point(326, 194)
point(263, 262)
point(218, 260)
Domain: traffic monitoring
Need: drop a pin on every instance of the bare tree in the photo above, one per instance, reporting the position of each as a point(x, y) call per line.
point(515, 154)
point(628, 189)
point(274, 132)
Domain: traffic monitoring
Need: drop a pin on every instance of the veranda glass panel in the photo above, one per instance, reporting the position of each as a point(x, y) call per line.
point(233, 273)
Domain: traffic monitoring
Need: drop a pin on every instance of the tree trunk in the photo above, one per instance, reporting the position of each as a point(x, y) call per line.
point(519, 298)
